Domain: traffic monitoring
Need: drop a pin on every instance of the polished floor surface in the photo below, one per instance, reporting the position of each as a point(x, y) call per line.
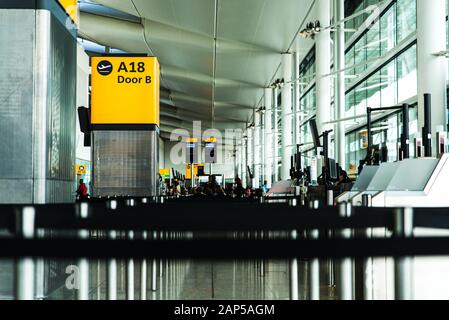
point(189, 280)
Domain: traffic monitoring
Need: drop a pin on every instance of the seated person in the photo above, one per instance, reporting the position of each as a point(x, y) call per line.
point(343, 178)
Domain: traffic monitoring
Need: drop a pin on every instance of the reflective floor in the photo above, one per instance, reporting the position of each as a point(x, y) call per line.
point(187, 280)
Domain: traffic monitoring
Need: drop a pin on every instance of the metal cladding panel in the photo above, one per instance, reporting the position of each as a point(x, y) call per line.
point(125, 163)
point(61, 114)
point(37, 107)
point(17, 32)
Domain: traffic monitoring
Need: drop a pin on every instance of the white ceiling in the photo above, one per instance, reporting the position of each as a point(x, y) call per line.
point(251, 35)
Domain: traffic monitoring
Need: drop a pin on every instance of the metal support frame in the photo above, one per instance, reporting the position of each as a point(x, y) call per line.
point(314, 266)
point(112, 264)
point(83, 264)
point(345, 288)
point(427, 129)
point(24, 274)
point(403, 266)
point(143, 274)
point(405, 136)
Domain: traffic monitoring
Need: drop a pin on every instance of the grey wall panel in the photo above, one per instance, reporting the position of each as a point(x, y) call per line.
point(125, 163)
point(37, 107)
point(60, 191)
point(16, 191)
point(17, 34)
point(61, 112)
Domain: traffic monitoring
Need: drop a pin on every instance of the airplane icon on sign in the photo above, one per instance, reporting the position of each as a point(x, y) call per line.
point(104, 68)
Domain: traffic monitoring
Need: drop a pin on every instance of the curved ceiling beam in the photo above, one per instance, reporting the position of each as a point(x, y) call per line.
point(171, 33)
point(98, 28)
point(178, 73)
point(168, 33)
point(122, 5)
point(205, 102)
point(107, 11)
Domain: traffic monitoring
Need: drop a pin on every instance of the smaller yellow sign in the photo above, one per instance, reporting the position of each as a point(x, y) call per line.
point(192, 140)
point(195, 170)
point(210, 140)
point(81, 169)
point(165, 172)
point(71, 7)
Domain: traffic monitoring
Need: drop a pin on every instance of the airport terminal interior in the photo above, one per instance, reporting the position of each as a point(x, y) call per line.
point(224, 150)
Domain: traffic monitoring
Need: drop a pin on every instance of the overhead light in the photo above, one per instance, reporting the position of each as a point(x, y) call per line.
point(311, 29)
point(317, 27)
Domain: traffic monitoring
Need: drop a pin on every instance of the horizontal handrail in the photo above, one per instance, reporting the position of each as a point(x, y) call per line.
point(223, 249)
point(214, 217)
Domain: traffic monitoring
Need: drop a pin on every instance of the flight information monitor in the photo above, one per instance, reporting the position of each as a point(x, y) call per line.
point(191, 152)
point(210, 152)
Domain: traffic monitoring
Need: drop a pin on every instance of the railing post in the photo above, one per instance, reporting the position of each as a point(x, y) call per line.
point(24, 275)
point(130, 262)
point(345, 287)
point(83, 264)
point(154, 269)
point(130, 273)
point(294, 285)
point(112, 263)
point(162, 236)
point(314, 268)
point(403, 266)
point(262, 262)
point(367, 201)
point(330, 261)
point(143, 273)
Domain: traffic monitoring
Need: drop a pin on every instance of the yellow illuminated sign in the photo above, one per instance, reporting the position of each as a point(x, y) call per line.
point(81, 169)
point(125, 90)
point(165, 172)
point(71, 7)
point(195, 170)
point(210, 140)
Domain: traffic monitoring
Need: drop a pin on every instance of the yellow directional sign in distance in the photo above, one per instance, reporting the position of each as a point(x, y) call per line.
point(71, 7)
point(125, 90)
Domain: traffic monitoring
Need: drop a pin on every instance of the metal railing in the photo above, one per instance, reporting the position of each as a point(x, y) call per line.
point(158, 231)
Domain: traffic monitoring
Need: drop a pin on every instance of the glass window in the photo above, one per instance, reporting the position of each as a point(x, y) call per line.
point(360, 56)
point(350, 103)
point(388, 31)
point(407, 75)
point(373, 91)
point(349, 58)
point(373, 42)
point(360, 99)
point(406, 23)
point(388, 85)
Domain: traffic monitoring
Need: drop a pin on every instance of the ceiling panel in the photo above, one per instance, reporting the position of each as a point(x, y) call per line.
point(266, 23)
point(191, 15)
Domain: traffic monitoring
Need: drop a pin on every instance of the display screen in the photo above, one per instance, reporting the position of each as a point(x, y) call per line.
point(191, 152)
point(210, 153)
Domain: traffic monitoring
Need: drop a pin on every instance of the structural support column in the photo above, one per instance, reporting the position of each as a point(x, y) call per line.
point(287, 137)
point(323, 65)
point(340, 95)
point(296, 86)
point(257, 147)
point(432, 69)
point(268, 136)
point(250, 156)
point(275, 135)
